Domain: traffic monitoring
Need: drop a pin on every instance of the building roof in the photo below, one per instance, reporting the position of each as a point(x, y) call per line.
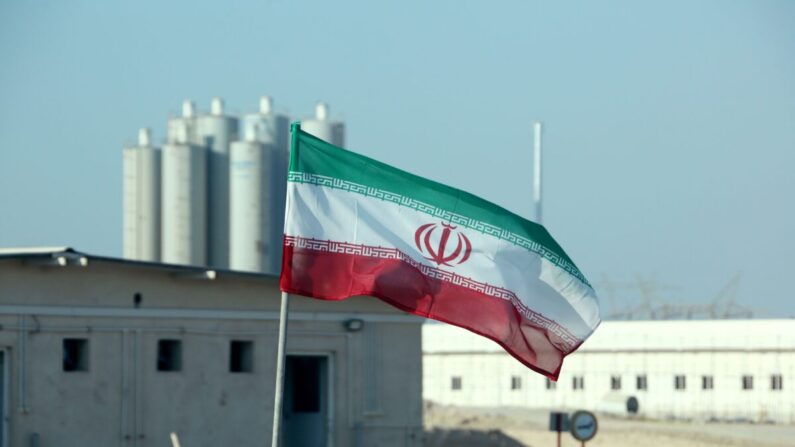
point(69, 256)
point(18, 251)
point(31, 280)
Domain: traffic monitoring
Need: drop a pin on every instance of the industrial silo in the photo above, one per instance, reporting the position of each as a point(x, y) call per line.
point(268, 126)
point(184, 200)
point(251, 223)
point(215, 132)
point(321, 127)
point(273, 131)
point(185, 124)
point(142, 200)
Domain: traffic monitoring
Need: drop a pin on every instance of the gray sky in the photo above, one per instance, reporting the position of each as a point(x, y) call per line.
point(669, 140)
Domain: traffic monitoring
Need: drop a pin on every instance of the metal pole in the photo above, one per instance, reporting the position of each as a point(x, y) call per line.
point(279, 391)
point(537, 170)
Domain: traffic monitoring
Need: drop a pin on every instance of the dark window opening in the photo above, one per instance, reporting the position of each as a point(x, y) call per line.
point(641, 383)
point(516, 383)
point(241, 356)
point(706, 383)
point(137, 298)
point(456, 383)
point(748, 382)
point(679, 382)
point(169, 355)
point(306, 380)
point(615, 382)
point(776, 382)
point(75, 354)
point(578, 382)
point(551, 385)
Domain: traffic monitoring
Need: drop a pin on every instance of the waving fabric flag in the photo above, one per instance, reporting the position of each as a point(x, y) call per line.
point(355, 226)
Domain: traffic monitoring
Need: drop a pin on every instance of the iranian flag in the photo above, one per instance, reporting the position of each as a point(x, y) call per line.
point(355, 226)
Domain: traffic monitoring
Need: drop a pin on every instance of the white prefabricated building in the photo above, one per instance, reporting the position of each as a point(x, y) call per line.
point(98, 351)
point(733, 370)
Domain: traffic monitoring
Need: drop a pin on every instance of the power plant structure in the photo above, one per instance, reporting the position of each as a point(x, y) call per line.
point(184, 200)
point(214, 195)
point(142, 199)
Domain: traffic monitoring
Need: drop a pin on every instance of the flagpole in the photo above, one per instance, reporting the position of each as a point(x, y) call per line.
point(537, 171)
point(280, 357)
point(278, 393)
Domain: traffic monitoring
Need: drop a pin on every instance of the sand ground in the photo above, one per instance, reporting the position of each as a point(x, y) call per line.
point(448, 426)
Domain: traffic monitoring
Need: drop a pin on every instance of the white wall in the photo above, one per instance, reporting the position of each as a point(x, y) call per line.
point(725, 350)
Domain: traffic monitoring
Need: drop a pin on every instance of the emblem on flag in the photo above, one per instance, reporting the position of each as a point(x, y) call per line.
point(446, 251)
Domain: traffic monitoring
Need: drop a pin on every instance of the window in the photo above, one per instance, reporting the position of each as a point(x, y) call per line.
point(615, 382)
point(706, 383)
point(75, 354)
point(578, 382)
point(551, 385)
point(679, 382)
point(640, 382)
point(456, 383)
point(748, 382)
point(241, 356)
point(776, 382)
point(169, 355)
point(516, 383)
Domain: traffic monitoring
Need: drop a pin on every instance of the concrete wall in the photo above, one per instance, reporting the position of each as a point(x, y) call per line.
point(762, 349)
point(123, 400)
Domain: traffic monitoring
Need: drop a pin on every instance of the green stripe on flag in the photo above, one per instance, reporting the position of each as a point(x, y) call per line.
point(315, 161)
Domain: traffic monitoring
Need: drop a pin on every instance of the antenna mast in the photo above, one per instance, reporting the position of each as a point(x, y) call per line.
point(537, 171)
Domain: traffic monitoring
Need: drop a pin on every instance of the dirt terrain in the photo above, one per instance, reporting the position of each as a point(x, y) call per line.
point(448, 426)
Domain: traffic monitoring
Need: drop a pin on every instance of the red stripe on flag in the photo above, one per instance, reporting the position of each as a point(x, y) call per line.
point(336, 276)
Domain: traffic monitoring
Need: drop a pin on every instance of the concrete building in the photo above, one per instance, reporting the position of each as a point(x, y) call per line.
point(98, 351)
point(684, 369)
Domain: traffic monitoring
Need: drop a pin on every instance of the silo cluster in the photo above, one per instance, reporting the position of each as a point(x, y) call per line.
point(214, 195)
